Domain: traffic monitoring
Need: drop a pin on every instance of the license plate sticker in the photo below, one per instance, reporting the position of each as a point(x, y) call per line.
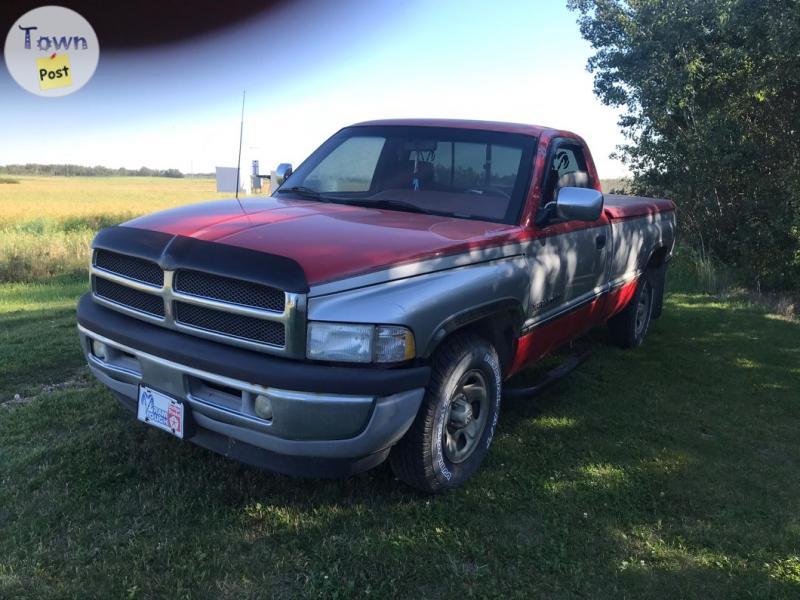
point(160, 410)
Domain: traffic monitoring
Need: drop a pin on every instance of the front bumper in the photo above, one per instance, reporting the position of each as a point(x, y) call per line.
point(327, 420)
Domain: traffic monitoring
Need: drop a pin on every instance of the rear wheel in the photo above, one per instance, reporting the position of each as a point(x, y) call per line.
point(455, 425)
point(629, 328)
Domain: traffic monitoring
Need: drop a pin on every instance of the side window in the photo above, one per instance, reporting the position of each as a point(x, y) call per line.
point(567, 169)
point(357, 157)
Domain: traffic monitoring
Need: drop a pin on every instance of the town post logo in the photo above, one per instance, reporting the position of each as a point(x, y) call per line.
point(51, 51)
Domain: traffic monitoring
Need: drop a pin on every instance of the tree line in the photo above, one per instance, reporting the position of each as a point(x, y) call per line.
point(710, 95)
point(83, 171)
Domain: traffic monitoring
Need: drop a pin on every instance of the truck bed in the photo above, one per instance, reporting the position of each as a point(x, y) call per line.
point(619, 207)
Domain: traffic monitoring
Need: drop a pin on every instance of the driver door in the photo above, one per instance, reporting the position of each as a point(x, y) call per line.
point(569, 260)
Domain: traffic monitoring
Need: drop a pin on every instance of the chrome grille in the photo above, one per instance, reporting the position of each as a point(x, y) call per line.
point(225, 323)
point(226, 289)
point(151, 304)
point(225, 309)
point(130, 267)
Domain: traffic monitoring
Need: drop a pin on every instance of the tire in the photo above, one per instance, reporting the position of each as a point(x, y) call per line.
point(629, 328)
point(455, 425)
point(660, 283)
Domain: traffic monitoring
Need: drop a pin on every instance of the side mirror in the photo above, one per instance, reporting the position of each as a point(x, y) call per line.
point(282, 173)
point(578, 204)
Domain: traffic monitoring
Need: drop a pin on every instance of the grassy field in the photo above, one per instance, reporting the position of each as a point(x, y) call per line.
point(34, 199)
point(669, 471)
point(46, 223)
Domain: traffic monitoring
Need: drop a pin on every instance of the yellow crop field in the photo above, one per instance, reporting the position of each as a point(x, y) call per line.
point(47, 223)
point(60, 198)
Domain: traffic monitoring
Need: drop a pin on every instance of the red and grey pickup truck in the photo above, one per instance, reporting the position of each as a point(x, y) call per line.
point(372, 306)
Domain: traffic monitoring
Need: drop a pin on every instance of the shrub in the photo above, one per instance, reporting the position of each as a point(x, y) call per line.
point(712, 120)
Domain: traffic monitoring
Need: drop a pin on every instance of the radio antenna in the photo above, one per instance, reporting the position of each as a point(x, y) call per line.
point(239, 160)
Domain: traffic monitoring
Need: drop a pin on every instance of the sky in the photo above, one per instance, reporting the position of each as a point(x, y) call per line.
point(310, 68)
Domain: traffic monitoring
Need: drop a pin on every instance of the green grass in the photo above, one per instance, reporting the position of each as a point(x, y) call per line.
point(38, 335)
point(668, 471)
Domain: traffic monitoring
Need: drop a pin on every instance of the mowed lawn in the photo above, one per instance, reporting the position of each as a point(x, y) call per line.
point(669, 471)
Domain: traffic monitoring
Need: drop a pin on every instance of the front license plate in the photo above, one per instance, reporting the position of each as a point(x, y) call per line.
point(159, 410)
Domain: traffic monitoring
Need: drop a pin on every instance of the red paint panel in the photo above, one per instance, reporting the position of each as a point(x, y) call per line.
point(330, 241)
point(618, 298)
point(546, 338)
point(627, 207)
point(525, 129)
point(543, 340)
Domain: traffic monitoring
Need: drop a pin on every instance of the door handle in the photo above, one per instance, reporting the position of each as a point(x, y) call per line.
point(600, 241)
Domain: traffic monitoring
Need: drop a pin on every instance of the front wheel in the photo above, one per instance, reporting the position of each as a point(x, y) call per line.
point(455, 425)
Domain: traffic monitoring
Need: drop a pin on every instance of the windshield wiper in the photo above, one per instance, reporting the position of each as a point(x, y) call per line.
point(390, 204)
point(305, 192)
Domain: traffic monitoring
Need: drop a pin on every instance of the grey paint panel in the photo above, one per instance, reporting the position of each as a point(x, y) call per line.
point(634, 241)
point(425, 303)
point(546, 277)
point(442, 263)
point(565, 269)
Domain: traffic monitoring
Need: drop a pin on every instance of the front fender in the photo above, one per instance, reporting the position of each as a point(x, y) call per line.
point(426, 303)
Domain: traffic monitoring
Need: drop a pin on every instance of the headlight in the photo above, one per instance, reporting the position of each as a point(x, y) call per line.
point(348, 342)
point(339, 341)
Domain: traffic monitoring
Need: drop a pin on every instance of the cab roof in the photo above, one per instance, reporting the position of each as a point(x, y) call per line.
point(532, 130)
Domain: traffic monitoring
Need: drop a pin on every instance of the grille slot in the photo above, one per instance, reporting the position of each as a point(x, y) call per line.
point(240, 326)
point(225, 289)
point(129, 297)
point(130, 267)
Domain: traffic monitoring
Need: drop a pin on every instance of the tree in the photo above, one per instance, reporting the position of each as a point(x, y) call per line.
point(82, 171)
point(711, 96)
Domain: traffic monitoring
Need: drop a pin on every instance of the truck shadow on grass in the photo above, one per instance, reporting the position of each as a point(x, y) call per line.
point(669, 471)
point(37, 349)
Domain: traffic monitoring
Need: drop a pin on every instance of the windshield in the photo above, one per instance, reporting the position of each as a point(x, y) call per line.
point(470, 174)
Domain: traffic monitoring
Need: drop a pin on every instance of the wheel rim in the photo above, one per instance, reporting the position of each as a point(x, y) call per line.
point(467, 414)
point(643, 309)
